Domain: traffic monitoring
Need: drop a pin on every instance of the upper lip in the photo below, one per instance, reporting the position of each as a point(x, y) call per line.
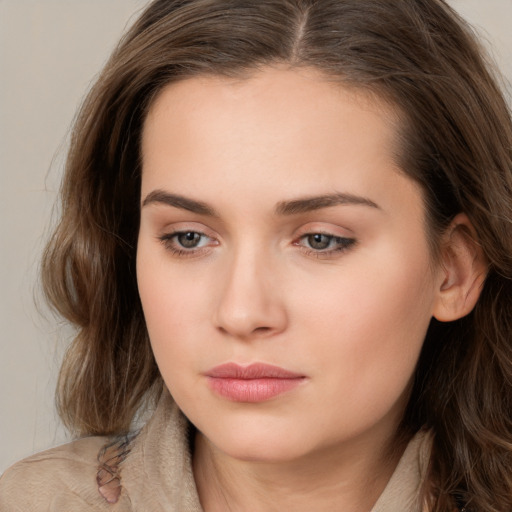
point(252, 371)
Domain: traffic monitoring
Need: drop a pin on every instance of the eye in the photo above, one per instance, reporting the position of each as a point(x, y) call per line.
point(322, 243)
point(319, 241)
point(186, 243)
point(188, 239)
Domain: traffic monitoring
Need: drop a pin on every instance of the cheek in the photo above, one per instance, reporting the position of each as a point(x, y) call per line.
point(172, 310)
point(173, 319)
point(369, 325)
point(375, 296)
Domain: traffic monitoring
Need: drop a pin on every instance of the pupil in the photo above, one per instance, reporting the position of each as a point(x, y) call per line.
point(189, 239)
point(319, 241)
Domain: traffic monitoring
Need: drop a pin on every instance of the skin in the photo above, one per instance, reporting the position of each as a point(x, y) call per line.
point(351, 318)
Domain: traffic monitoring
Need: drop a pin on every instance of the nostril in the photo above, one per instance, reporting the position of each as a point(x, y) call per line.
point(262, 329)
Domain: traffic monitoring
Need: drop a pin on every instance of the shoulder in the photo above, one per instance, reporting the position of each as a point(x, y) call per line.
point(63, 478)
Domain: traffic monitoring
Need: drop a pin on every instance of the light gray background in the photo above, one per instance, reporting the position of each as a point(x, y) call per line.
point(50, 50)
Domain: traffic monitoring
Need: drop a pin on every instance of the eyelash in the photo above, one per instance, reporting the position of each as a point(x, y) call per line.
point(342, 244)
point(169, 240)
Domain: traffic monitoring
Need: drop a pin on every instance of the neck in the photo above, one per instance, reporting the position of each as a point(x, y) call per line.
point(333, 478)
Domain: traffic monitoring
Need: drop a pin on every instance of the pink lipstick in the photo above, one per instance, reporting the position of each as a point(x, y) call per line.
point(254, 383)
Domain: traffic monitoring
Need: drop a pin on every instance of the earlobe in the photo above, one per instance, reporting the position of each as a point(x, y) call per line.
point(463, 269)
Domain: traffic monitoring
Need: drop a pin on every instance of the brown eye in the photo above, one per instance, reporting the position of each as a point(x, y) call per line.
point(188, 239)
point(318, 241)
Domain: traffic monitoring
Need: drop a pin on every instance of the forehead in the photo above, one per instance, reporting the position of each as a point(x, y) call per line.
point(296, 94)
point(275, 126)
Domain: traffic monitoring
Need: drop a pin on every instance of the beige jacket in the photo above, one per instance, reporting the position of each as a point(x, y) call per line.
point(137, 474)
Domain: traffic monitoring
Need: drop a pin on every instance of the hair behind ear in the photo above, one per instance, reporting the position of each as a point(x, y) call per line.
point(463, 382)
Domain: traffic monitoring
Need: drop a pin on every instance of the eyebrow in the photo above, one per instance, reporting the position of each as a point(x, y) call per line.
point(162, 197)
point(293, 207)
point(308, 204)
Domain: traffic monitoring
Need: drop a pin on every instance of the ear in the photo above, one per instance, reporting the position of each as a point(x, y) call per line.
point(463, 269)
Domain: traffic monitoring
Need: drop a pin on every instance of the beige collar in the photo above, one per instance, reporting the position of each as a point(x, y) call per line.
point(158, 472)
point(404, 490)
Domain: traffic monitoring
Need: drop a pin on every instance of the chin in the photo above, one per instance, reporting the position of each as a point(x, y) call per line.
point(260, 442)
point(264, 451)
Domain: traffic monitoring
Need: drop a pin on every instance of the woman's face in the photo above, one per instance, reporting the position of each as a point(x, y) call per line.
point(277, 230)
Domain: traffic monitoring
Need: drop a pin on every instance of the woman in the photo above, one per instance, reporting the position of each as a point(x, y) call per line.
point(293, 217)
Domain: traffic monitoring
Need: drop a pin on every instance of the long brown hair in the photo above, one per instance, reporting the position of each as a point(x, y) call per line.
point(456, 141)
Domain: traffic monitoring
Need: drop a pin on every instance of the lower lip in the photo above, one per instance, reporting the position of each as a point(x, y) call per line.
point(252, 390)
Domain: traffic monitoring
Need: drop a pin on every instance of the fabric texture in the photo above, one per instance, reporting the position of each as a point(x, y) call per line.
point(151, 471)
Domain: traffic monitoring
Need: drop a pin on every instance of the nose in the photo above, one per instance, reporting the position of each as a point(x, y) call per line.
point(251, 304)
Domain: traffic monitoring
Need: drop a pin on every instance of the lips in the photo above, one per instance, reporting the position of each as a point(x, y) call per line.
point(254, 383)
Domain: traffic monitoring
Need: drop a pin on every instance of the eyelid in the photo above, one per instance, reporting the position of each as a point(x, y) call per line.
point(324, 228)
point(183, 226)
